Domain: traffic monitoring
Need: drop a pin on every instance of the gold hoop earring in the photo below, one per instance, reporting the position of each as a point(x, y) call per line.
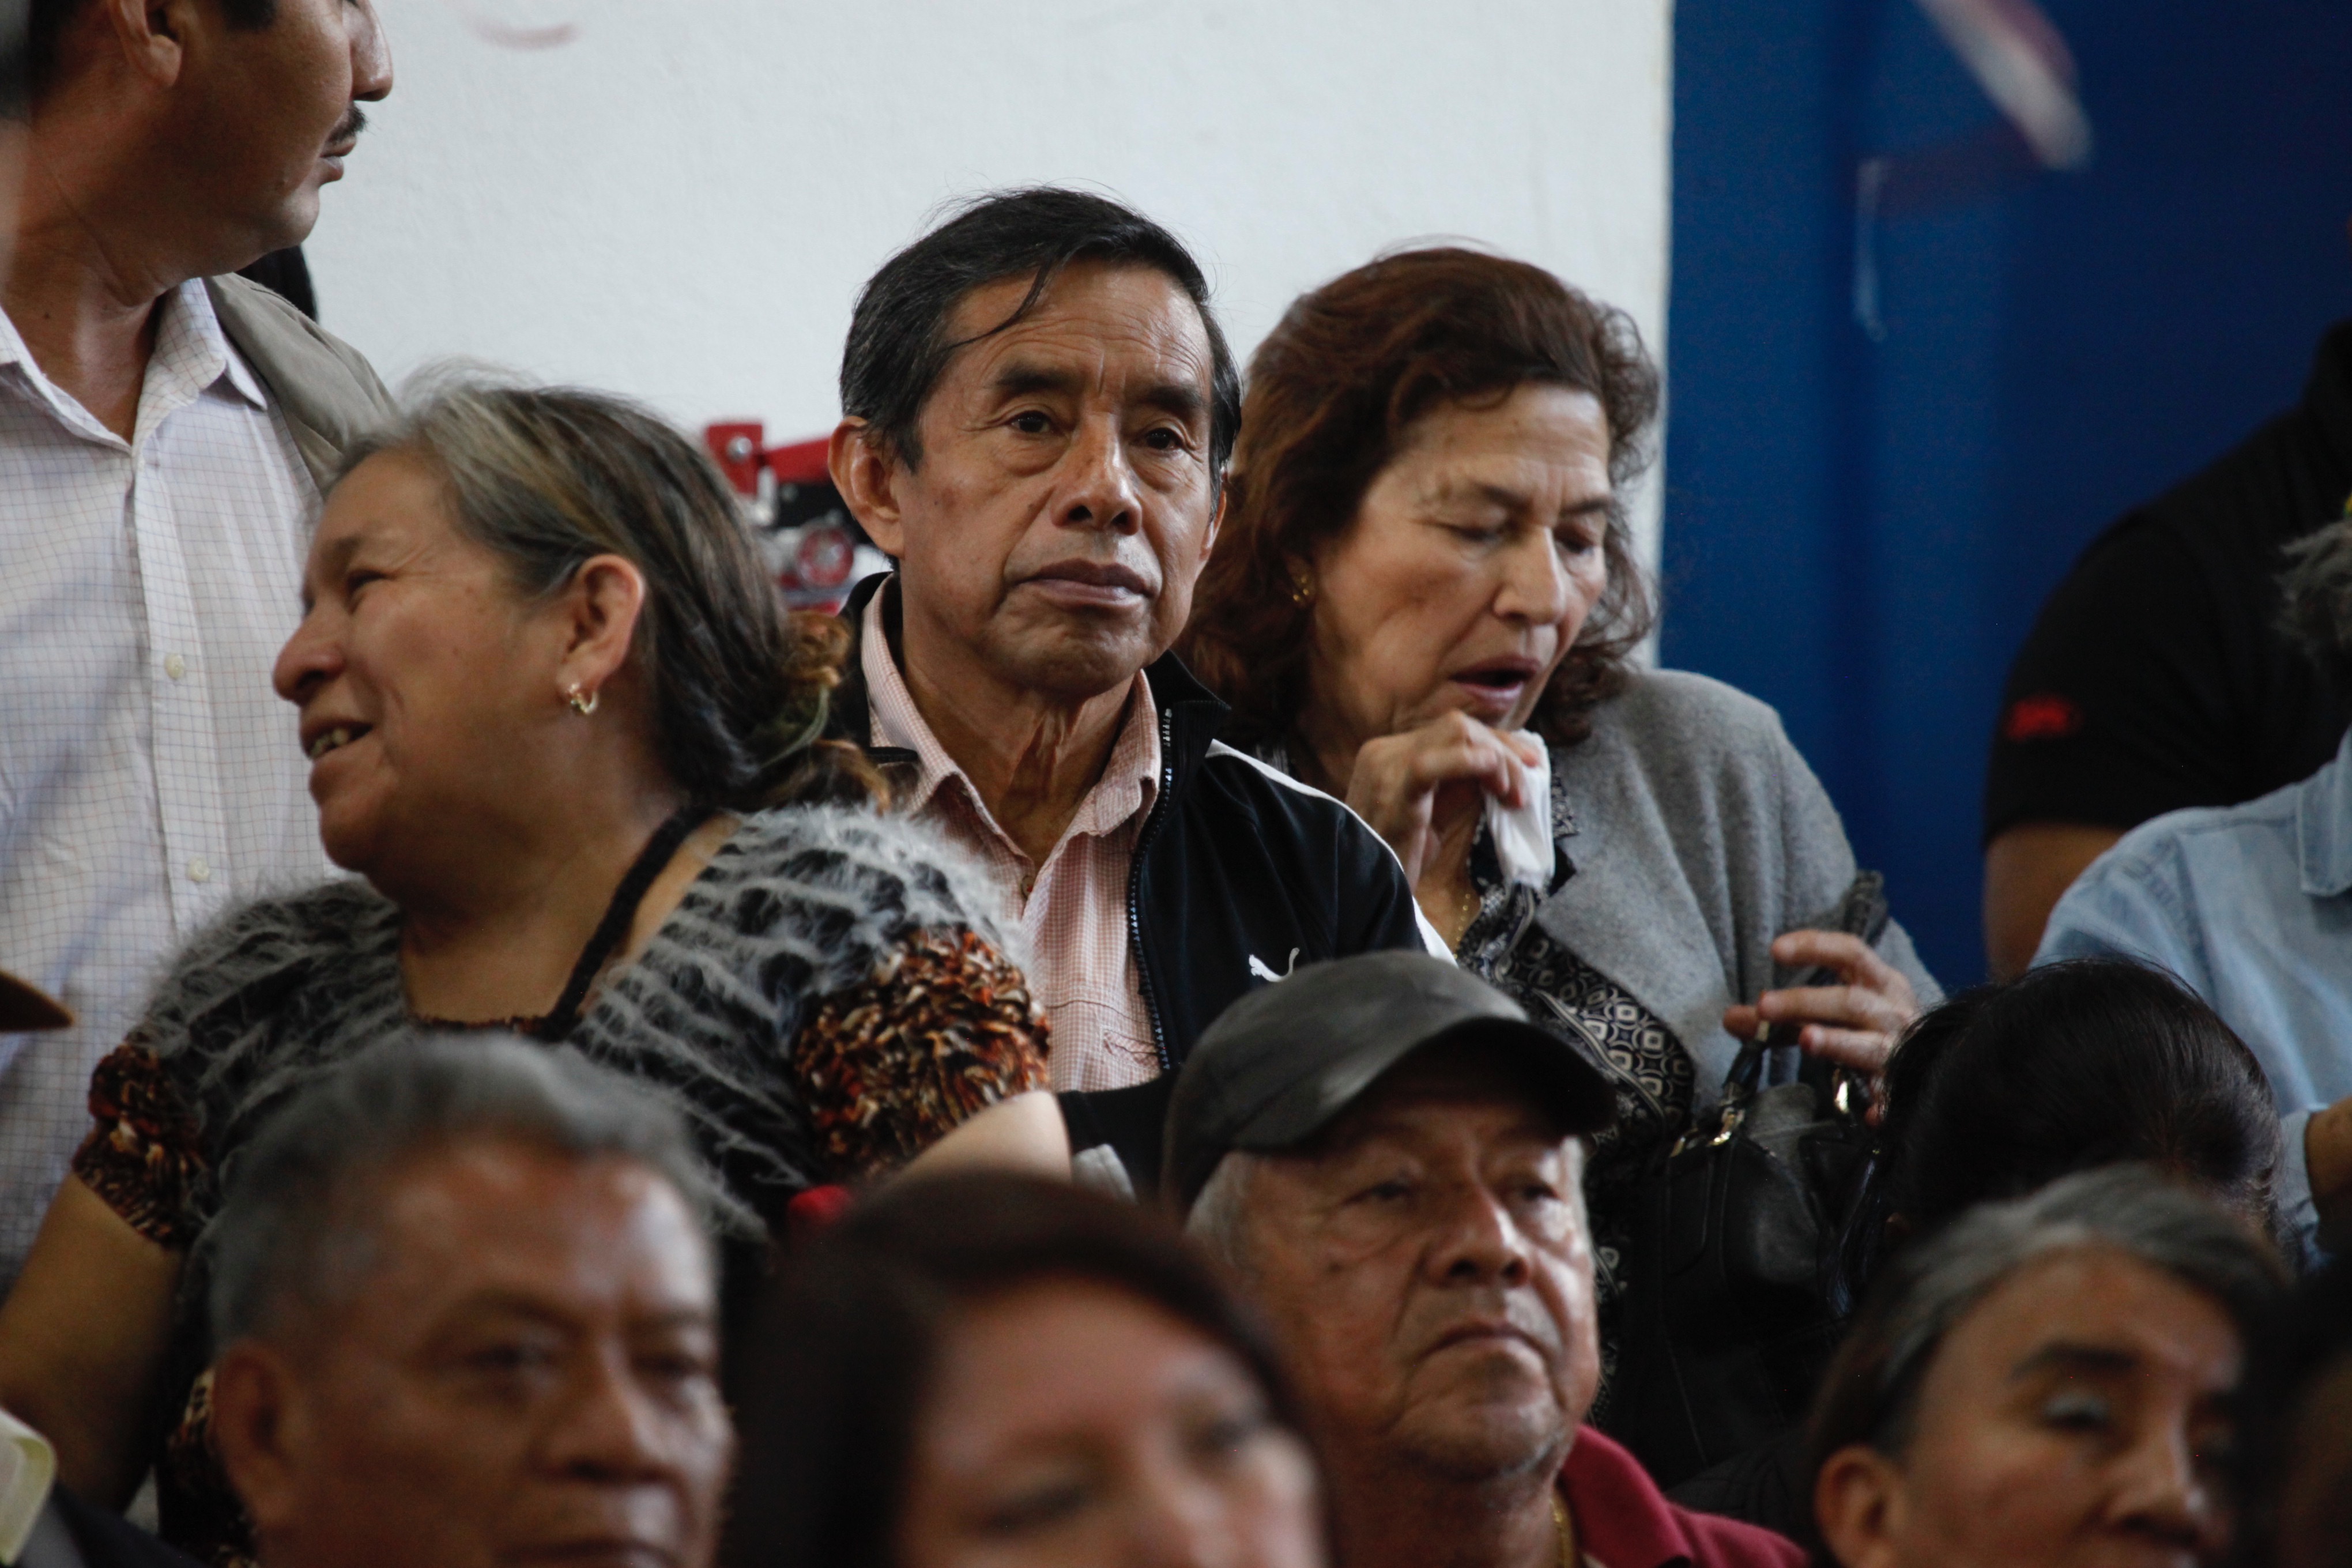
point(582, 702)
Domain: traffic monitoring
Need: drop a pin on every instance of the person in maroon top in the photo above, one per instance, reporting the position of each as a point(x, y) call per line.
point(1388, 1156)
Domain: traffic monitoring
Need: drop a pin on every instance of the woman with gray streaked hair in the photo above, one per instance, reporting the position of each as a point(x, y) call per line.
point(2251, 906)
point(562, 730)
point(2046, 1381)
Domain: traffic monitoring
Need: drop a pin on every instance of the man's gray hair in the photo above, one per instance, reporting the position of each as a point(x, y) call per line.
point(1218, 1222)
point(1871, 1391)
point(2319, 583)
point(298, 1224)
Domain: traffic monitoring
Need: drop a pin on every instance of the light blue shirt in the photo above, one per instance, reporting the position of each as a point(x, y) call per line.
point(2252, 905)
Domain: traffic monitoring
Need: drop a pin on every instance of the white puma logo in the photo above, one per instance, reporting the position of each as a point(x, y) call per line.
point(1264, 971)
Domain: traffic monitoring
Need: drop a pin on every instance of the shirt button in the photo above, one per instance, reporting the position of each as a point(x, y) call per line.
point(200, 870)
point(174, 666)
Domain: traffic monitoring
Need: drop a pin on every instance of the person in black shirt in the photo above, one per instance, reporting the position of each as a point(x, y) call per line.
point(2156, 677)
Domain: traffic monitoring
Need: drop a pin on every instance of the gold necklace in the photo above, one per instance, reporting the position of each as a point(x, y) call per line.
point(1566, 1530)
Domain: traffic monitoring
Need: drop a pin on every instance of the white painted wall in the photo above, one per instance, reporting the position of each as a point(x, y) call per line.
point(682, 200)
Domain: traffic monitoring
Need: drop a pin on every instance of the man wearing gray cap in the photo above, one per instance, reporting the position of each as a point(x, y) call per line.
point(1388, 1156)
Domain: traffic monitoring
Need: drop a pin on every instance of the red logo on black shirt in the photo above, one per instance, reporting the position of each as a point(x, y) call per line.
point(2045, 716)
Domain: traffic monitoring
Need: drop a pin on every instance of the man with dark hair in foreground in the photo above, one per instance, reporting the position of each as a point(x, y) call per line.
point(1388, 1156)
point(165, 431)
point(467, 1316)
point(1037, 409)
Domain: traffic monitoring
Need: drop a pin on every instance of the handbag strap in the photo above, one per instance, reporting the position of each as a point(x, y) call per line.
point(1747, 1072)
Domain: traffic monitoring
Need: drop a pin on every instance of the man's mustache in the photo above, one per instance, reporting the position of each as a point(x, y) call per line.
point(350, 128)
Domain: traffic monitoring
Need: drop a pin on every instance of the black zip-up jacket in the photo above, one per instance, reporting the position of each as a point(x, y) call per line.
point(1240, 875)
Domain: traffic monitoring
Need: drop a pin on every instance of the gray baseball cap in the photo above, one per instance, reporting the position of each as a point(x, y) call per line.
point(1280, 1064)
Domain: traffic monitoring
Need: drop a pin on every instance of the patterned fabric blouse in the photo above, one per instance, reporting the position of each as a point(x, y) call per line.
point(824, 1003)
point(1506, 946)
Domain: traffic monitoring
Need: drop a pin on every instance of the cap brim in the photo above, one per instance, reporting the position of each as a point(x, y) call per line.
point(24, 1007)
point(1580, 1095)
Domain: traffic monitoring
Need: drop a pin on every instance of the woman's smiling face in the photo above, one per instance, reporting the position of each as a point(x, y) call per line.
point(418, 670)
point(1471, 565)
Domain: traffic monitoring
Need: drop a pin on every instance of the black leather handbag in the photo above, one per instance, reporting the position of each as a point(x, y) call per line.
point(1734, 1298)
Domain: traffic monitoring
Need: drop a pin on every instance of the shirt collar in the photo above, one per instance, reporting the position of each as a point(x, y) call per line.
point(1621, 1516)
point(12, 346)
point(189, 345)
point(1130, 778)
point(203, 346)
point(2323, 823)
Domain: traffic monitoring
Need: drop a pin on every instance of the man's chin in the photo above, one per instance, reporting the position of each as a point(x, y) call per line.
point(1483, 1440)
point(290, 223)
point(1080, 657)
point(1480, 1450)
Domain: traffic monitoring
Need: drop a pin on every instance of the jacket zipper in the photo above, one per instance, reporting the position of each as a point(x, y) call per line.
point(1135, 887)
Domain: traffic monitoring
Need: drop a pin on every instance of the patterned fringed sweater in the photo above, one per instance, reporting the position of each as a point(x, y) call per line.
point(829, 997)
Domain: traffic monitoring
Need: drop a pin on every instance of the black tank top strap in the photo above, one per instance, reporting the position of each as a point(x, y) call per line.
point(622, 913)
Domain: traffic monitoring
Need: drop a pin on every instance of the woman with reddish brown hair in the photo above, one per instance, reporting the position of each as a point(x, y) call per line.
point(1424, 600)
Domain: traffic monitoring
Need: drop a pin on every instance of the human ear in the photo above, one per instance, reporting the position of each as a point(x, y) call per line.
point(152, 35)
point(259, 1430)
point(864, 471)
point(602, 607)
point(1216, 520)
point(1857, 1503)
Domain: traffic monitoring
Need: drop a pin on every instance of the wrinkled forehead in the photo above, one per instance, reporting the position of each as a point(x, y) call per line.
point(603, 1235)
point(2095, 1310)
point(1123, 321)
point(394, 498)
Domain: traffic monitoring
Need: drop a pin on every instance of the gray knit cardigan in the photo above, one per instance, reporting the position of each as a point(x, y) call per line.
point(1699, 836)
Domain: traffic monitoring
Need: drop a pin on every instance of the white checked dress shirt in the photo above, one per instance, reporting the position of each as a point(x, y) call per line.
point(149, 776)
point(1072, 910)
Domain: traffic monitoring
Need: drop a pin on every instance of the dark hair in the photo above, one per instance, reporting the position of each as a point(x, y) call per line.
point(2100, 1061)
point(1331, 393)
point(2318, 614)
point(898, 345)
point(1871, 1393)
point(27, 74)
point(848, 1341)
point(548, 477)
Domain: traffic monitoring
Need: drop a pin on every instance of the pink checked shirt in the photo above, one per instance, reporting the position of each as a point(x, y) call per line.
point(1071, 912)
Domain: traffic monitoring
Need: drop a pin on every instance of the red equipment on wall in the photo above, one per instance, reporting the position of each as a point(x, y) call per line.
point(797, 519)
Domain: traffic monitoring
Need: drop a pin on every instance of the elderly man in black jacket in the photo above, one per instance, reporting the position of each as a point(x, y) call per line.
point(1038, 406)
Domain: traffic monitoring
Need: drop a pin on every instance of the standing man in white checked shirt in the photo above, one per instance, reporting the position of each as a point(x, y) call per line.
point(165, 430)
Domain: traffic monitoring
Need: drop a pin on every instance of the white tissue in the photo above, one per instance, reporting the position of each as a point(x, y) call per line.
point(1522, 834)
point(27, 1465)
